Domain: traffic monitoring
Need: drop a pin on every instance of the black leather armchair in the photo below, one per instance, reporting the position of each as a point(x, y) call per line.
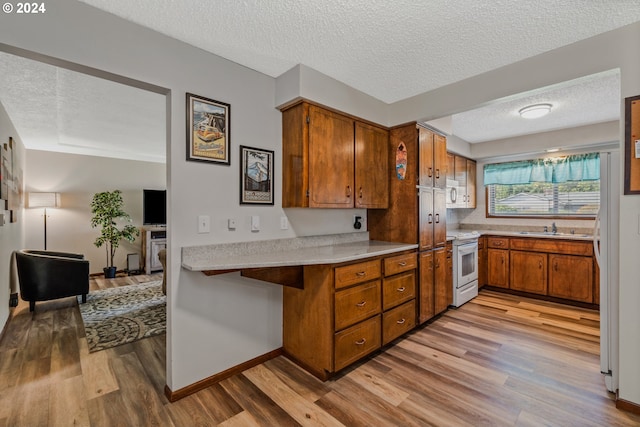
point(47, 275)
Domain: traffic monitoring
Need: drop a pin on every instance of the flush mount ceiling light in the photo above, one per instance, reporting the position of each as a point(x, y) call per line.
point(534, 111)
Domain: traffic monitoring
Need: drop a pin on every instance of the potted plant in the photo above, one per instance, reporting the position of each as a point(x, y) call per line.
point(107, 208)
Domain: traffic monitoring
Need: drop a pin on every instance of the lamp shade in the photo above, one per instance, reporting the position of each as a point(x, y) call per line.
point(44, 200)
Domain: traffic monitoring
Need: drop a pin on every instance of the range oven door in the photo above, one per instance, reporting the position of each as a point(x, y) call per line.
point(465, 263)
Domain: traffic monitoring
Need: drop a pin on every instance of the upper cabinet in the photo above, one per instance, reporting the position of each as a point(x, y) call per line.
point(433, 159)
point(462, 192)
point(331, 160)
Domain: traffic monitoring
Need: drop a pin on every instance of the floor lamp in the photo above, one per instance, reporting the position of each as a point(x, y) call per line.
point(44, 200)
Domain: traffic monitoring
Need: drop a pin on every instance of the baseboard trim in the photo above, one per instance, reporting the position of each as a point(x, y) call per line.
point(214, 379)
point(625, 405)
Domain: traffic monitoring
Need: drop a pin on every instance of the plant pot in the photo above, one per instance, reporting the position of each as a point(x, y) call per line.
point(109, 272)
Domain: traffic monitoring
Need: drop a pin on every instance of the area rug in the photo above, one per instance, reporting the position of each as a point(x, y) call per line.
point(117, 316)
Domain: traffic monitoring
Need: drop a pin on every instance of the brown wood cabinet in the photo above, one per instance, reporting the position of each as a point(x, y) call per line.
point(436, 283)
point(332, 160)
point(498, 267)
point(443, 280)
point(426, 306)
point(571, 277)
point(463, 171)
point(482, 262)
point(528, 272)
point(414, 216)
point(552, 267)
point(433, 158)
point(346, 311)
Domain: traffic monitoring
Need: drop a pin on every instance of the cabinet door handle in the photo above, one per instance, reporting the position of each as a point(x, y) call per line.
point(361, 304)
point(437, 173)
point(540, 264)
point(502, 259)
point(437, 218)
point(361, 342)
point(360, 195)
point(454, 195)
point(348, 191)
point(361, 274)
point(402, 263)
point(555, 266)
point(401, 321)
point(402, 289)
point(430, 172)
point(430, 218)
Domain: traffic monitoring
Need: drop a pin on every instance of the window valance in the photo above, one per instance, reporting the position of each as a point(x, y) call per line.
point(579, 167)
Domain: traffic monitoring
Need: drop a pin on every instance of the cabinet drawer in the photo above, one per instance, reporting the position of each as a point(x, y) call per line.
point(358, 303)
point(357, 273)
point(398, 289)
point(553, 246)
point(356, 342)
point(400, 263)
point(398, 321)
point(498, 242)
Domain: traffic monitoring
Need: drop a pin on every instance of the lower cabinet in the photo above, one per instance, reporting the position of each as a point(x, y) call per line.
point(571, 277)
point(344, 312)
point(528, 272)
point(498, 268)
point(551, 267)
point(436, 283)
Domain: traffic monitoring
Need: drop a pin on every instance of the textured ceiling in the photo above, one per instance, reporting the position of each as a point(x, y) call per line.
point(54, 109)
point(390, 50)
point(589, 100)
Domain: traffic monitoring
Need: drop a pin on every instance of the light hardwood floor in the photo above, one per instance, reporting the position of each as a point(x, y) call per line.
point(499, 360)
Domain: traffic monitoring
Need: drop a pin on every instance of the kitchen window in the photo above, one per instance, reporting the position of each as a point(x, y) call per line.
point(562, 187)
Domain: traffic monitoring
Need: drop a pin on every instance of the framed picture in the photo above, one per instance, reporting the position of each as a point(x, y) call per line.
point(208, 130)
point(256, 176)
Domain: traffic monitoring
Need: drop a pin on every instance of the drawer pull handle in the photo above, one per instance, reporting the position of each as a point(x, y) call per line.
point(361, 304)
point(361, 274)
point(402, 264)
point(401, 289)
point(361, 342)
point(401, 321)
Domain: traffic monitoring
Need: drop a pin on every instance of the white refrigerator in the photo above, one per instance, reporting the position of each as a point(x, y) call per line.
point(606, 246)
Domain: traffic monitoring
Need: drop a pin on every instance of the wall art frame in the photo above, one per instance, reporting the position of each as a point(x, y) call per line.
point(208, 130)
point(256, 176)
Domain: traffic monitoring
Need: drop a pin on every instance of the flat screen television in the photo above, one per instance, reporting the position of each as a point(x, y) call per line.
point(154, 207)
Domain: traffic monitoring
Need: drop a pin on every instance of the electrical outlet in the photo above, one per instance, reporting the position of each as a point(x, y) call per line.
point(204, 225)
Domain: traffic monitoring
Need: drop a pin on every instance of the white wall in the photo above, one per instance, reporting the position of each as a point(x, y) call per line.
point(77, 178)
point(11, 234)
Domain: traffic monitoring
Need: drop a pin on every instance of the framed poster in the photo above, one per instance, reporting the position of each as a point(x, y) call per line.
point(208, 130)
point(256, 176)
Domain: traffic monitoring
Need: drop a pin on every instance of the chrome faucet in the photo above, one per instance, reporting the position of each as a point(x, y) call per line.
point(554, 229)
point(546, 229)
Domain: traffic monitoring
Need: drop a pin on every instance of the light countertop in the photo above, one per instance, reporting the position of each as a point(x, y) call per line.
point(535, 234)
point(287, 252)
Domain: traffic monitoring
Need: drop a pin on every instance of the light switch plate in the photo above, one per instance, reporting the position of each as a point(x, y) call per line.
point(231, 224)
point(204, 223)
point(255, 223)
point(284, 223)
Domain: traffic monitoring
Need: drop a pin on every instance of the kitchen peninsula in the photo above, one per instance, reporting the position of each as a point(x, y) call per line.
point(344, 296)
